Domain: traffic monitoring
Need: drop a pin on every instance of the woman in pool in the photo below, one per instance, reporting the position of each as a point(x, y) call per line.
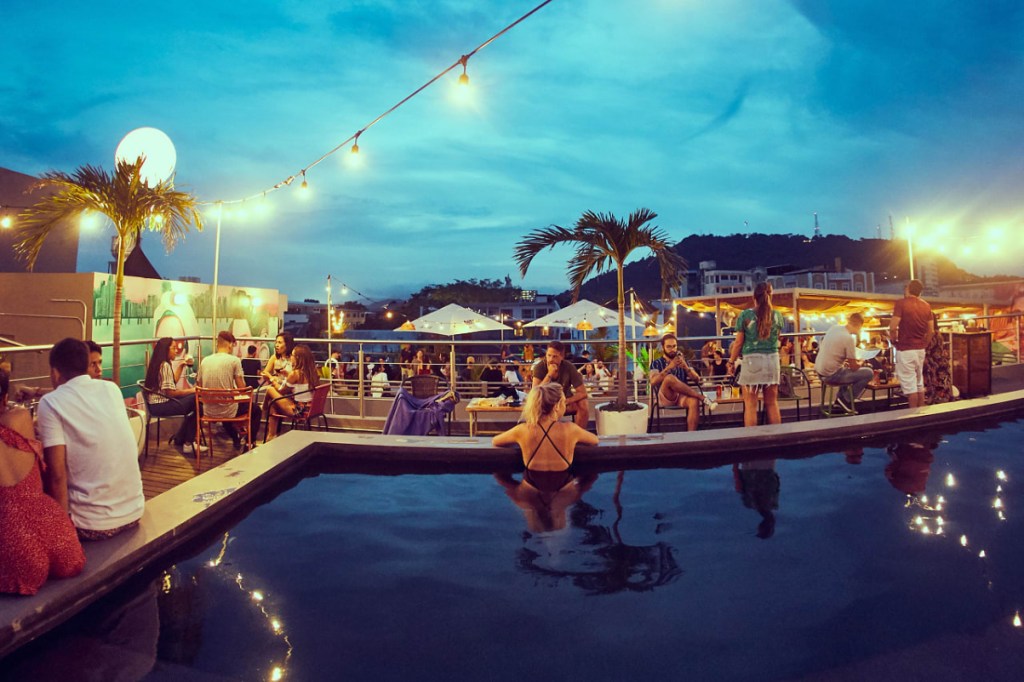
point(291, 397)
point(757, 337)
point(165, 399)
point(37, 539)
point(547, 444)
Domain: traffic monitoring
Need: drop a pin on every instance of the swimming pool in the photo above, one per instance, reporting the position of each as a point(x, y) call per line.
point(679, 573)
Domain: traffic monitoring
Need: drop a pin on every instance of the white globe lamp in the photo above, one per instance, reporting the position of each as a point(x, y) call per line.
point(156, 147)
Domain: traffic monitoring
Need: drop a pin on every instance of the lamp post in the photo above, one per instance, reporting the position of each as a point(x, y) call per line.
point(910, 247)
point(216, 265)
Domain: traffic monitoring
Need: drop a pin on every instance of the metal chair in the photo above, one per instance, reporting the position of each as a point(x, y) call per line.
point(423, 385)
point(212, 397)
point(654, 422)
point(794, 386)
point(149, 416)
point(829, 394)
point(317, 409)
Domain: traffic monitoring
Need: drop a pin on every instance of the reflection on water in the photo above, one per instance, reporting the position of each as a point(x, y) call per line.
point(758, 486)
point(915, 554)
point(600, 562)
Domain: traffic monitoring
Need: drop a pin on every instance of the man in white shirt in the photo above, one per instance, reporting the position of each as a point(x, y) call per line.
point(90, 451)
point(837, 362)
point(223, 370)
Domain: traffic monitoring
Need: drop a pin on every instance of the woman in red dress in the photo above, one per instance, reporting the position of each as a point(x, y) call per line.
point(37, 539)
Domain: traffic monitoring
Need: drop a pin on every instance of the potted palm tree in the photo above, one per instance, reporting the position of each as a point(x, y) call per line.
point(602, 242)
point(129, 203)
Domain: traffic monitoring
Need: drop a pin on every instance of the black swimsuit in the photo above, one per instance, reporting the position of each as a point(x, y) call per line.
point(548, 481)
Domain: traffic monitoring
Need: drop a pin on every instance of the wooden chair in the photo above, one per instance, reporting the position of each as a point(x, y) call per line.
point(214, 397)
point(794, 386)
point(317, 409)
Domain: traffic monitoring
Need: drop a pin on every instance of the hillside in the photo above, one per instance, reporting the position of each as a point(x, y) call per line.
point(746, 251)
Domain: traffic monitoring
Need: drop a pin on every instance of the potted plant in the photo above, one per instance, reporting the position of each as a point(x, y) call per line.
point(602, 242)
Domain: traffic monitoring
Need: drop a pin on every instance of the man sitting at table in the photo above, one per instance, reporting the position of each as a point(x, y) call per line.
point(223, 371)
point(837, 363)
point(669, 373)
point(554, 367)
point(90, 451)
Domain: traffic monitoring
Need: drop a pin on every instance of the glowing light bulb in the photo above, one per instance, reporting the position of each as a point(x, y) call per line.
point(981, 554)
point(1002, 517)
point(997, 503)
point(276, 625)
point(925, 530)
point(939, 521)
point(6, 222)
point(1016, 620)
point(939, 531)
point(464, 79)
point(1001, 475)
point(257, 596)
point(950, 481)
point(963, 540)
point(924, 498)
point(918, 520)
point(276, 674)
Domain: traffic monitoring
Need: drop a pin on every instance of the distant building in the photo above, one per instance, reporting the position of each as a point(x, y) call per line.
point(829, 280)
point(60, 250)
point(301, 313)
point(716, 282)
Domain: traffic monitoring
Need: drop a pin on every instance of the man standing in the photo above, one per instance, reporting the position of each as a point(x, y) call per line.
point(669, 373)
point(556, 368)
point(837, 362)
point(910, 331)
point(223, 371)
point(90, 451)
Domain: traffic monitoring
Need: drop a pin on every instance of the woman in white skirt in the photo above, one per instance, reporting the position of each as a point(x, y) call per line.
point(757, 338)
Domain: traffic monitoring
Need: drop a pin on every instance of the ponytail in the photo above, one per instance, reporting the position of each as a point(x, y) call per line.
point(541, 401)
point(763, 308)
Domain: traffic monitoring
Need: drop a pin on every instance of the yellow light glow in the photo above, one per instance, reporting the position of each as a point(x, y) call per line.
point(939, 531)
point(276, 625)
point(981, 554)
point(1016, 620)
point(88, 220)
point(997, 503)
point(276, 674)
point(6, 222)
point(918, 520)
point(941, 499)
point(257, 302)
point(925, 530)
point(1001, 475)
point(1002, 517)
point(950, 481)
point(963, 540)
point(257, 596)
point(939, 521)
point(924, 498)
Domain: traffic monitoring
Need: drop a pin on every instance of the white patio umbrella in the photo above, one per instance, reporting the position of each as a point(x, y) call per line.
point(581, 314)
point(453, 320)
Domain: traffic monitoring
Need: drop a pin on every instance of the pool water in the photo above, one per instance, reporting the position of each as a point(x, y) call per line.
point(901, 562)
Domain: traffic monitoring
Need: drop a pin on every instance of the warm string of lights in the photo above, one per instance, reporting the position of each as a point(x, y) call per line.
point(258, 599)
point(354, 138)
point(929, 521)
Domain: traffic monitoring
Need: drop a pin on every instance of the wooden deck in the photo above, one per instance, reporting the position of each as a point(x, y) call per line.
point(167, 467)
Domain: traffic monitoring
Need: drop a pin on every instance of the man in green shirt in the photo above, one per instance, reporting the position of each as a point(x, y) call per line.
point(554, 367)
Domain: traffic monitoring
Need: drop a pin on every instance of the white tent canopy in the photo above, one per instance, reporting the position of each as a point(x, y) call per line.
point(583, 310)
point(453, 320)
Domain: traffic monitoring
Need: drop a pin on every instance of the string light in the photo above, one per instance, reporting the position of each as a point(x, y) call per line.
point(463, 79)
point(6, 222)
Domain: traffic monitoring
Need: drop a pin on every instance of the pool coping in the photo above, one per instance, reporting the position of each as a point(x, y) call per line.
point(183, 513)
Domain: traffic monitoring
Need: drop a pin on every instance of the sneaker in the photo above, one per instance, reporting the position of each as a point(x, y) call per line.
point(841, 403)
point(710, 405)
point(188, 448)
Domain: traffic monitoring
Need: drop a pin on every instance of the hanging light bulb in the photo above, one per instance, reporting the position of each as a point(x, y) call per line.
point(304, 187)
point(464, 78)
point(6, 222)
point(355, 143)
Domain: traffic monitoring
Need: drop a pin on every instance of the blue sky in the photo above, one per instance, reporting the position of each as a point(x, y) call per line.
point(709, 113)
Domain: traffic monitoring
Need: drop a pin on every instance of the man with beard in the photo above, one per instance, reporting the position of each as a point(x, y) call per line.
point(668, 375)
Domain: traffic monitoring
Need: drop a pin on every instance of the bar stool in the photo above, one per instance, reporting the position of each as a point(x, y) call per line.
point(829, 394)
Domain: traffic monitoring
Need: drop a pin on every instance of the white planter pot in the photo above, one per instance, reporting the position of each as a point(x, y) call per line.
point(621, 423)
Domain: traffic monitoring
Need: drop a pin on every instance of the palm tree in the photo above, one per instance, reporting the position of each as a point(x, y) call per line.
point(129, 203)
point(603, 241)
